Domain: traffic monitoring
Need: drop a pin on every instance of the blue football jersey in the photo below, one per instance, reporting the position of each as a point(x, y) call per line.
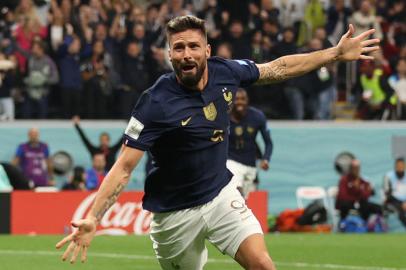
point(187, 132)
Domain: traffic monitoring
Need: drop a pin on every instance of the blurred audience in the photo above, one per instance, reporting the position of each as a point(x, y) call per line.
point(98, 46)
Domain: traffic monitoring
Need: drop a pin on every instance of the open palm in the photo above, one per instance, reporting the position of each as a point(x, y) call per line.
point(79, 240)
point(355, 48)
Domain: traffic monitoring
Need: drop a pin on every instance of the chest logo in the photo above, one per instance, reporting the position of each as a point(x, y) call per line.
point(250, 130)
point(238, 131)
point(210, 112)
point(185, 122)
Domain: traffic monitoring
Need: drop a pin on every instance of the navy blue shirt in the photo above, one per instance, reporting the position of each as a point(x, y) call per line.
point(187, 134)
point(242, 147)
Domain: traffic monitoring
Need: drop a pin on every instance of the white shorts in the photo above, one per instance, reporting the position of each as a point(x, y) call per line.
point(179, 237)
point(244, 176)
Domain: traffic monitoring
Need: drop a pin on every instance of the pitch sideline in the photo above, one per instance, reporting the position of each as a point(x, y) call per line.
point(146, 257)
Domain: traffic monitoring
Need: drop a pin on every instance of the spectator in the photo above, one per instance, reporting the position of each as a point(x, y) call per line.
point(239, 41)
point(326, 76)
point(398, 82)
point(7, 81)
point(69, 55)
point(41, 74)
point(77, 180)
point(96, 174)
point(373, 92)
point(33, 159)
point(104, 144)
point(337, 20)
point(259, 54)
point(364, 19)
point(354, 193)
point(135, 79)
point(57, 29)
point(24, 34)
point(395, 189)
point(224, 50)
point(98, 85)
point(314, 17)
point(286, 46)
point(303, 92)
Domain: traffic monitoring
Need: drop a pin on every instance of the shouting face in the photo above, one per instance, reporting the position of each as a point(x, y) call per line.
point(188, 52)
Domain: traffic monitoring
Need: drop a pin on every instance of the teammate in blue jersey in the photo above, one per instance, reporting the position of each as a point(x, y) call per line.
point(245, 122)
point(183, 121)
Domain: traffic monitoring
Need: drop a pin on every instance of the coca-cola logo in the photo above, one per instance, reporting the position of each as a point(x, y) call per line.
point(121, 219)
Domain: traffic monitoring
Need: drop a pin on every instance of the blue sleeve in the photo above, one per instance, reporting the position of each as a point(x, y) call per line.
point(145, 125)
point(244, 71)
point(266, 135)
point(20, 151)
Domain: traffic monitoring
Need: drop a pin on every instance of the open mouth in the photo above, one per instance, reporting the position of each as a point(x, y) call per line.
point(188, 67)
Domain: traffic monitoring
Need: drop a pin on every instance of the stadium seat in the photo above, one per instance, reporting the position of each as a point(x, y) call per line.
point(311, 193)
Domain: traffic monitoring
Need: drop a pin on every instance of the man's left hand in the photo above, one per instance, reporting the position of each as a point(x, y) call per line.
point(355, 48)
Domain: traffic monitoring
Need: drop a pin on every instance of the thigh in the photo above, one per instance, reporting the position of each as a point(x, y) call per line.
point(230, 221)
point(179, 239)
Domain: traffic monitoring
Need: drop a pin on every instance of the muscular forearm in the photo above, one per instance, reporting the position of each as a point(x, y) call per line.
point(290, 66)
point(115, 182)
point(109, 191)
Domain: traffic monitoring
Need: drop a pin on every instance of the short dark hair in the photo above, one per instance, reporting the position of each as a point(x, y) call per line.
point(183, 23)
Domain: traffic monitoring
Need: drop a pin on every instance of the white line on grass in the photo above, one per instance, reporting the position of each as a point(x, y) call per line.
point(146, 257)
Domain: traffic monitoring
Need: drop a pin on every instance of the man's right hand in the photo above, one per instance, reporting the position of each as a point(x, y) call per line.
point(79, 240)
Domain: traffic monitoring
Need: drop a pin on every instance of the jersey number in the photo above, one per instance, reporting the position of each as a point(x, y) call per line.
point(217, 135)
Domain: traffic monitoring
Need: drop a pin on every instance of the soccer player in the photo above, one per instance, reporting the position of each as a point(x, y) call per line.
point(183, 121)
point(245, 122)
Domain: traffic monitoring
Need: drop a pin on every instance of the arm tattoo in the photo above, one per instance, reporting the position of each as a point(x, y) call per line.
point(110, 201)
point(272, 72)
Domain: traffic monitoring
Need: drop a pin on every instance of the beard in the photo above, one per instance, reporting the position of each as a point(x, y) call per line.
point(189, 80)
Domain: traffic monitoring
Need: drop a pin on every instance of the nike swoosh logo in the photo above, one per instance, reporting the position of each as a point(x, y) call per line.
point(185, 122)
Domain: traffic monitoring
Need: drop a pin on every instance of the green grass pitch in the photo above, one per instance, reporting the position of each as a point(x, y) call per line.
point(289, 251)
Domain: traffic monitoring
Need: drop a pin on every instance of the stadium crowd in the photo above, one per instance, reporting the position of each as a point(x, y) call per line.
point(93, 58)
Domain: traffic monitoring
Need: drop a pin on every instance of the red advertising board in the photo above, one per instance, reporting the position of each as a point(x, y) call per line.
point(51, 213)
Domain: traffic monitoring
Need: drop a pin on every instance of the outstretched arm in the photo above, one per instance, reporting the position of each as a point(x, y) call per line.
point(348, 49)
point(112, 186)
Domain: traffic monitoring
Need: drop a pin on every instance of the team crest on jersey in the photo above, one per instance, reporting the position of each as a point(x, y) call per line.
point(238, 130)
point(210, 112)
point(250, 130)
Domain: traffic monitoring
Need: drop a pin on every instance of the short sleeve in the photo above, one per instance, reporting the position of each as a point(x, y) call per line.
point(245, 71)
point(145, 125)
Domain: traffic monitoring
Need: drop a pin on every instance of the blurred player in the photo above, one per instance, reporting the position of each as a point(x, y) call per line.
point(183, 121)
point(245, 122)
